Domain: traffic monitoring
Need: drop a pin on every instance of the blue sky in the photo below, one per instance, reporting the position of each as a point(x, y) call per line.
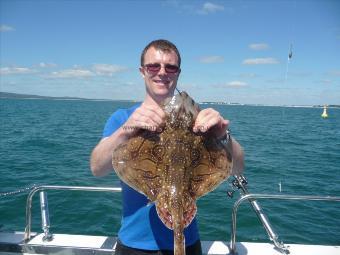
point(232, 51)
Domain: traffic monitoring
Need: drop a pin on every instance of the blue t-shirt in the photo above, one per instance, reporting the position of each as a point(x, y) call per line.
point(141, 227)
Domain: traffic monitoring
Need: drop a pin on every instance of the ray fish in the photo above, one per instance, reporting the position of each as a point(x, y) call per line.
point(174, 167)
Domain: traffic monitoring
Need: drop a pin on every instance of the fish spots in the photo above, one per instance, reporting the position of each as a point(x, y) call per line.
point(157, 152)
point(195, 156)
point(177, 159)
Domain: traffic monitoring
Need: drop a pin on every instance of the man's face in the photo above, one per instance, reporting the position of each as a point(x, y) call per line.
point(160, 84)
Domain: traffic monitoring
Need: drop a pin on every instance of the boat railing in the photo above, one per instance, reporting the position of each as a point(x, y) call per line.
point(44, 206)
point(272, 236)
point(240, 183)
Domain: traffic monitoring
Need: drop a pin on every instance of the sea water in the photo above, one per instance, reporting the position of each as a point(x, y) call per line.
point(288, 150)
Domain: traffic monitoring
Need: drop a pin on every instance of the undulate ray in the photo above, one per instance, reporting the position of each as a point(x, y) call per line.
point(175, 167)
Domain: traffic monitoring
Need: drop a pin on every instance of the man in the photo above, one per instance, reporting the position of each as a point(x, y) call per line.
point(142, 232)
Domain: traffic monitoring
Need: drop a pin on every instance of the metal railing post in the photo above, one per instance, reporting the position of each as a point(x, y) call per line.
point(27, 235)
point(45, 216)
point(251, 197)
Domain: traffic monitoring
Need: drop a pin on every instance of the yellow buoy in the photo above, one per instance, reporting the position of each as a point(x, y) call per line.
point(324, 114)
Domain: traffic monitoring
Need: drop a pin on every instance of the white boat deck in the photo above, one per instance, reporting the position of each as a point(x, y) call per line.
point(13, 243)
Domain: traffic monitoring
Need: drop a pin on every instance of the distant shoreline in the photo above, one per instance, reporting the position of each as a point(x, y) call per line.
point(9, 95)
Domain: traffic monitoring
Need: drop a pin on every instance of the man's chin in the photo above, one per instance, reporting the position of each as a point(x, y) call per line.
point(163, 90)
point(159, 85)
point(162, 94)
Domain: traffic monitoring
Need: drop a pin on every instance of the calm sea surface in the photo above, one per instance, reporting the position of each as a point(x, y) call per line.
point(48, 142)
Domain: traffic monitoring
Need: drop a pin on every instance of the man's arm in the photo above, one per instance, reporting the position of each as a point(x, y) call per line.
point(145, 116)
point(101, 157)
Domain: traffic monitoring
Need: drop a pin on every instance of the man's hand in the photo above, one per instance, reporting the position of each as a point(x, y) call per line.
point(211, 120)
point(150, 117)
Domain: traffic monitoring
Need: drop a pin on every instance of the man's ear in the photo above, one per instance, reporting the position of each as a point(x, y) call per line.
point(142, 72)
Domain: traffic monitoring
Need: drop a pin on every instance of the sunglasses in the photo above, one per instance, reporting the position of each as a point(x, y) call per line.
point(156, 67)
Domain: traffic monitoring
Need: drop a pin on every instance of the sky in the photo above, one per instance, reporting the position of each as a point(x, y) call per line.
point(232, 51)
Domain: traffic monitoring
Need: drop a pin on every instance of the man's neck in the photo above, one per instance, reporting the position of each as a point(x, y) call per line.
point(154, 101)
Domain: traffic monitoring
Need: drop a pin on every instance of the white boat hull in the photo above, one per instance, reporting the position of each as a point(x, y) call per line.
point(13, 243)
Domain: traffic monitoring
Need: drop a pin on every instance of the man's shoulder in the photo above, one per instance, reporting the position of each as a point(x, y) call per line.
point(117, 119)
point(130, 110)
point(124, 112)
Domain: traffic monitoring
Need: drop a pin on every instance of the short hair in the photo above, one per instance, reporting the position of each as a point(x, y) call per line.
point(163, 45)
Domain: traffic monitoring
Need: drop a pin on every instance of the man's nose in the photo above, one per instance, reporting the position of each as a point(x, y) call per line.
point(162, 71)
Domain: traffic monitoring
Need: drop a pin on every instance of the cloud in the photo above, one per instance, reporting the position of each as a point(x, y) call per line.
point(6, 28)
point(75, 72)
point(16, 70)
point(260, 61)
point(106, 69)
point(194, 7)
point(46, 65)
point(211, 59)
point(79, 72)
point(209, 8)
point(258, 46)
point(71, 73)
point(237, 84)
point(232, 84)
